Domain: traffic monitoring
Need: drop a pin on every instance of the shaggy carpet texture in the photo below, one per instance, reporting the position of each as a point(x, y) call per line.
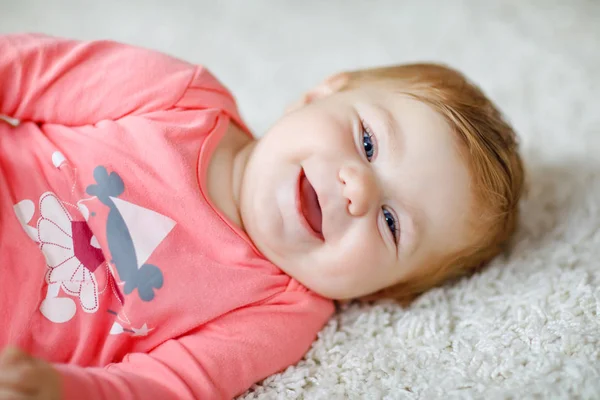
point(528, 326)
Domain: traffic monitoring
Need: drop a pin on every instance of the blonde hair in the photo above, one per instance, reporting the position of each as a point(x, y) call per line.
point(491, 150)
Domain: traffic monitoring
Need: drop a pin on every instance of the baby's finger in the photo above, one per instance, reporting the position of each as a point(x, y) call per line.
point(20, 378)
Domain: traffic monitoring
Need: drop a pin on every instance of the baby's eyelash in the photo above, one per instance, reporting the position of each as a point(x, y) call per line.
point(366, 127)
point(368, 141)
point(395, 229)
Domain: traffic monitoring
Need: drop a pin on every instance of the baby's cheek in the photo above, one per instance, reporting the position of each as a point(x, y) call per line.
point(364, 257)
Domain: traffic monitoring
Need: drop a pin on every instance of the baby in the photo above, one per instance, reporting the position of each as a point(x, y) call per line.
point(151, 247)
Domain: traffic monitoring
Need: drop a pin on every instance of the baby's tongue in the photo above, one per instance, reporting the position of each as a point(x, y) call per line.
point(310, 205)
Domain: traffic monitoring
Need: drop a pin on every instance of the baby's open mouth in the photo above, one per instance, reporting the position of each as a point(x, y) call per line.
point(310, 207)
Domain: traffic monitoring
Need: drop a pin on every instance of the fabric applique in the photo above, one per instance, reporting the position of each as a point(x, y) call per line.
point(132, 234)
point(72, 256)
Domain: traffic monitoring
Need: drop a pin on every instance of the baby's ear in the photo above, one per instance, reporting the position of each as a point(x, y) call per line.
point(329, 86)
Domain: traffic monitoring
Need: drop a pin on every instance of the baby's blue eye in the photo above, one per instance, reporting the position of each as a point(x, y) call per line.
point(391, 223)
point(368, 144)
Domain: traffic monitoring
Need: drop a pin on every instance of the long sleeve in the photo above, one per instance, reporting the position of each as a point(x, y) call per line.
point(217, 361)
point(53, 80)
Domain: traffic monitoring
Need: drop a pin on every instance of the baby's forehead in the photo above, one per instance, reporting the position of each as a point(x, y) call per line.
point(397, 103)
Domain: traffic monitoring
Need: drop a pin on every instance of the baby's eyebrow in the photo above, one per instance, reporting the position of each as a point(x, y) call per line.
point(414, 230)
point(391, 127)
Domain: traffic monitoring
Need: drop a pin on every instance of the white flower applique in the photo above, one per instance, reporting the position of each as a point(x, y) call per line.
point(71, 251)
point(72, 256)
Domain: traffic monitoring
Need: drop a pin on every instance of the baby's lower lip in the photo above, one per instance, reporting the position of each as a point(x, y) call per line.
point(301, 216)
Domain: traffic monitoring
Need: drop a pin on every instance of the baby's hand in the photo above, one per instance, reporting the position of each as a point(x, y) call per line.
point(25, 377)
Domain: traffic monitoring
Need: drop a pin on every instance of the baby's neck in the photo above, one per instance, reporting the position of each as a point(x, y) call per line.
point(225, 171)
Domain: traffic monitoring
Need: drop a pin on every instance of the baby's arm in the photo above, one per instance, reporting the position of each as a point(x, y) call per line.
point(219, 360)
point(52, 80)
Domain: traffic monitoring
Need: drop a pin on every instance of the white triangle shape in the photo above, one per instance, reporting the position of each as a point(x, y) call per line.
point(146, 227)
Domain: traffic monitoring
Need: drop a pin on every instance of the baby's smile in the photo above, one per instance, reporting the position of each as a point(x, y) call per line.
point(308, 207)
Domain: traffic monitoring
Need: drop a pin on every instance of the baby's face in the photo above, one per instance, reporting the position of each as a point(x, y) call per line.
point(356, 191)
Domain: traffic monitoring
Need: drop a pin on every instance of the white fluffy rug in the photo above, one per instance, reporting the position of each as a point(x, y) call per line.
point(528, 326)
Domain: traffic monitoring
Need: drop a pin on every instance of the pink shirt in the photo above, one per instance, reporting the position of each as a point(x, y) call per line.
point(114, 263)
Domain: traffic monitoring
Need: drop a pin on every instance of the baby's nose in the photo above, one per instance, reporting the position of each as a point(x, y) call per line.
point(359, 188)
